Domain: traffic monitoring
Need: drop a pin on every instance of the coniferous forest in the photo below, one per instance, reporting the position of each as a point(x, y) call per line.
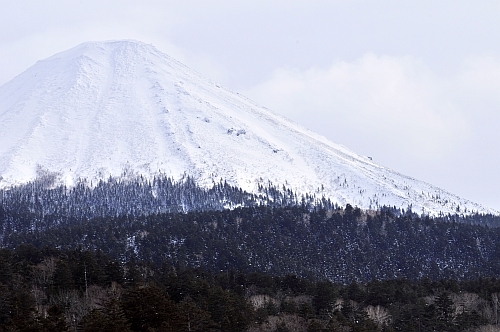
point(171, 256)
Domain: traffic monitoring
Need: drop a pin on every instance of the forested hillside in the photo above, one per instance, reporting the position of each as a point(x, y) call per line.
point(135, 197)
point(339, 245)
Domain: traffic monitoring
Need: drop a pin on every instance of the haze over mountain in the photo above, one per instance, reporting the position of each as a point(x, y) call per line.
point(124, 109)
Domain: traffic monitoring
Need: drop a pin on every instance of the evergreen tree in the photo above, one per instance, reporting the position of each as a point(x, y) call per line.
point(150, 308)
point(192, 318)
point(55, 320)
point(444, 312)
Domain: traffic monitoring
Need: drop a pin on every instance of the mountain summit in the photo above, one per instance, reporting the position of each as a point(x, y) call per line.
point(123, 108)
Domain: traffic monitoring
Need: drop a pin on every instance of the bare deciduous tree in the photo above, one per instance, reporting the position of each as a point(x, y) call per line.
point(260, 301)
point(494, 299)
point(44, 271)
point(75, 306)
point(379, 315)
point(465, 302)
point(488, 328)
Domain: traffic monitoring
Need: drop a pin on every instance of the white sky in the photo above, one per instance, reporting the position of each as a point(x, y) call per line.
point(413, 84)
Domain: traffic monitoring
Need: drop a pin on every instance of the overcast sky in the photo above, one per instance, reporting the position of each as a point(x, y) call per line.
point(413, 84)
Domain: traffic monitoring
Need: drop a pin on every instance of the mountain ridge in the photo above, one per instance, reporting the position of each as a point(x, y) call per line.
point(120, 108)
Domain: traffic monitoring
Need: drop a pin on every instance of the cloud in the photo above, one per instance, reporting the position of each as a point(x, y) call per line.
point(374, 101)
point(440, 128)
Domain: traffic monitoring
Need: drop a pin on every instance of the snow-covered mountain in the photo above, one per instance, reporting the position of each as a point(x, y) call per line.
point(123, 108)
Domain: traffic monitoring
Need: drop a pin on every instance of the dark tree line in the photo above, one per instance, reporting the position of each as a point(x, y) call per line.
point(340, 245)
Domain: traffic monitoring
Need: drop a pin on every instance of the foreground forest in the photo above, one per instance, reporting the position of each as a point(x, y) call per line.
point(70, 290)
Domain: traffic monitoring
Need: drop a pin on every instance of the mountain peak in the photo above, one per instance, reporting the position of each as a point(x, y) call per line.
point(110, 46)
point(123, 108)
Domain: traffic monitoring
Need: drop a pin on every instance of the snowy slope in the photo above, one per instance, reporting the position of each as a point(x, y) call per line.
point(107, 108)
